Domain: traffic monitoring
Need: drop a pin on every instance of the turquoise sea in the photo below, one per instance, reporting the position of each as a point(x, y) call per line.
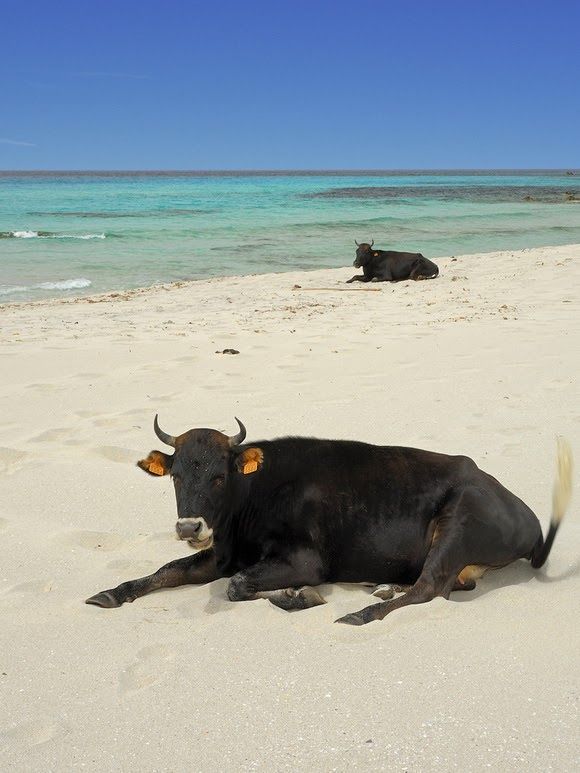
point(64, 234)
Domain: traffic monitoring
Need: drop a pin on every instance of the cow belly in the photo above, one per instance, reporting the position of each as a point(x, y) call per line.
point(383, 558)
point(377, 571)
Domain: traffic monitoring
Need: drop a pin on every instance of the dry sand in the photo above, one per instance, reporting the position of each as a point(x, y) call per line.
point(482, 361)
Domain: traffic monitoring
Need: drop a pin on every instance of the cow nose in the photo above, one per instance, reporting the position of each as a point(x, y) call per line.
point(187, 529)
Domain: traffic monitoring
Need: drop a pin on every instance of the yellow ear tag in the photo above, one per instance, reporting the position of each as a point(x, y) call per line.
point(156, 468)
point(250, 467)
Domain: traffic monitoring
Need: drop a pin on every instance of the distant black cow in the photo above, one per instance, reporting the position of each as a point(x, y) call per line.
point(391, 266)
point(278, 515)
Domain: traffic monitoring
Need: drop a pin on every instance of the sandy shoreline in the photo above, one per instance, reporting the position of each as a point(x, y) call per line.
point(482, 361)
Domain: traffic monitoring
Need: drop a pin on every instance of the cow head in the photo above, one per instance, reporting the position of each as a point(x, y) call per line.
point(205, 467)
point(363, 253)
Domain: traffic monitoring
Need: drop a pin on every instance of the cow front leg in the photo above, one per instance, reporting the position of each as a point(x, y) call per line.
point(294, 598)
point(197, 569)
point(280, 582)
point(444, 562)
point(358, 278)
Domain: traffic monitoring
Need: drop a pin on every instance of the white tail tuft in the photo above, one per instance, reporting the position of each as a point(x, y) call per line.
point(563, 484)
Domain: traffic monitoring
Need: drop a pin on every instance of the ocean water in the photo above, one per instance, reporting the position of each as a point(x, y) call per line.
point(64, 234)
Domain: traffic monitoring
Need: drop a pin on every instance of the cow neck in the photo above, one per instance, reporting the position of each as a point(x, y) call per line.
point(229, 525)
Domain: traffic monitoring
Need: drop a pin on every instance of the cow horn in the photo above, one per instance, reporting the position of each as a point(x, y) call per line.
point(163, 436)
point(372, 242)
point(235, 440)
point(357, 244)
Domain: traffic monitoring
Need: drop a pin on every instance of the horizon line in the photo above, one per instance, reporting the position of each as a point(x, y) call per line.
point(305, 170)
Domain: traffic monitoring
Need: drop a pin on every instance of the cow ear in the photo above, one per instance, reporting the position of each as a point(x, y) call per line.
point(250, 461)
point(157, 463)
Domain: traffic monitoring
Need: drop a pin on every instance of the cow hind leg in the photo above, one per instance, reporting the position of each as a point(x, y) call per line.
point(467, 577)
point(418, 274)
point(421, 592)
point(445, 569)
point(423, 269)
point(438, 578)
point(416, 271)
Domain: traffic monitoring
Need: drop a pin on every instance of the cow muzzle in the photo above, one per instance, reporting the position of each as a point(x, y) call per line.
point(356, 264)
point(195, 531)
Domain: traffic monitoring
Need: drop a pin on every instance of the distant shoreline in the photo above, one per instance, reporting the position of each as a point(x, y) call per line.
point(65, 231)
point(335, 277)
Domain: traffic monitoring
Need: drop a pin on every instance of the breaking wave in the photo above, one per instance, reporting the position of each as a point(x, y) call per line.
point(47, 235)
point(64, 284)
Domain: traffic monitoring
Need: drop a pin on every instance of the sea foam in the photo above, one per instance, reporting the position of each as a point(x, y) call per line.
point(63, 284)
point(46, 235)
point(23, 234)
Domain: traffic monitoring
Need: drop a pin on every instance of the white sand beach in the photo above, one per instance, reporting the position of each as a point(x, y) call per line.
point(482, 361)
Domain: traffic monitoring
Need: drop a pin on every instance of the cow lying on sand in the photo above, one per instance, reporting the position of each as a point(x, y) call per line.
point(390, 266)
point(278, 515)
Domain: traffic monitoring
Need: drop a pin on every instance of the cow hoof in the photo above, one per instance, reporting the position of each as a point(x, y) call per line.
point(387, 591)
point(311, 597)
point(284, 599)
point(290, 598)
point(384, 592)
point(104, 599)
point(354, 618)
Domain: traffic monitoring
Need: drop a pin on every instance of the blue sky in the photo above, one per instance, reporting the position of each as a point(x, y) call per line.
point(289, 84)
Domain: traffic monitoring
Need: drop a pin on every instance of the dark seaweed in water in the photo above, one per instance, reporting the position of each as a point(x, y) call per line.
point(474, 193)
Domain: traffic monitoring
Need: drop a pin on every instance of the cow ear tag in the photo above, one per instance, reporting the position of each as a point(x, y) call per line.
point(156, 463)
point(250, 461)
point(156, 468)
point(376, 254)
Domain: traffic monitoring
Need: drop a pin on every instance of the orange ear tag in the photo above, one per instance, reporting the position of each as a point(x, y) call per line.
point(156, 468)
point(250, 467)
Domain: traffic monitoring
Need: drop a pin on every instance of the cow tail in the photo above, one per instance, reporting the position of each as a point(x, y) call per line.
point(560, 500)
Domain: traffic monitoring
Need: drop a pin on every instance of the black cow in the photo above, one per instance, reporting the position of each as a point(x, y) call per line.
point(391, 266)
point(278, 515)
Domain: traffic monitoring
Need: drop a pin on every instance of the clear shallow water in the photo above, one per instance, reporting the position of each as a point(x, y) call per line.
point(69, 234)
